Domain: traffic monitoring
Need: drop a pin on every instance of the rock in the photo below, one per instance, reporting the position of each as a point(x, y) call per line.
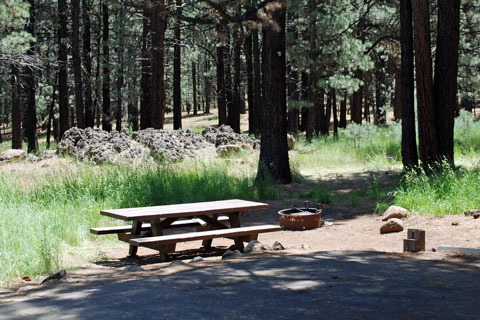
point(305, 246)
point(228, 149)
point(229, 254)
point(101, 146)
point(47, 154)
point(328, 223)
point(395, 212)
point(255, 246)
point(277, 246)
point(476, 215)
point(392, 225)
point(290, 141)
point(225, 135)
point(31, 158)
point(132, 268)
point(12, 155)
point(27, 278)
point(196, 259)
point(455, 223)
point(177, 262)
point(56, 276)
point(472, 212)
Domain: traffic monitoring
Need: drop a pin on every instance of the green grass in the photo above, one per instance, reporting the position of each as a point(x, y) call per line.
point(444, 192)
point(44, 218)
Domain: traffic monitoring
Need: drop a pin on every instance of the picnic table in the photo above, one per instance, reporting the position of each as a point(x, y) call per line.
point(209, 218)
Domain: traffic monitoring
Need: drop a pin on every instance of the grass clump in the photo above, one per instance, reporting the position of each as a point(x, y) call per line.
point(42, 220)
point(445, 191)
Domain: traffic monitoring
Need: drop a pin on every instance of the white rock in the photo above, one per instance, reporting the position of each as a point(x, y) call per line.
point(231, 254)
point(12, 155)
point(395, 212)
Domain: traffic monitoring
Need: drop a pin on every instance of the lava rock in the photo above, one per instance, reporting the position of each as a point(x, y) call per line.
point(392, 225)
point(277, 246)
point(228, 149)
point(47, 154)
point(13, 155)
point(196, 259)
point(229, 254)
point(255, 246)
point(395, 212)
point(56, 276)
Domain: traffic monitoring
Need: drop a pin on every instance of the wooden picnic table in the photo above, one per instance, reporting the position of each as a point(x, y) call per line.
point(149, 224)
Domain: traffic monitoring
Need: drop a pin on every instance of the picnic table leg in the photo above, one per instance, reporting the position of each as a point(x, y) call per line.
point(234, 219)
point(157, 230)
point(136, 229)
point(207, 244)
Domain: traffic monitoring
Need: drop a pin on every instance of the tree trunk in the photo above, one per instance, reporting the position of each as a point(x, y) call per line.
point(221, 97)
point(250, 97)
point(380, 98)
point(335, 115)
point(146, 99)
point(328, 114)
point(356, 103)
point(343, 113)
point(62, 68)
point(228, 81)
point(194, 85)
point(207, 87)
point(446, 69)
point(257, 82)
point(236, 96)
point(31, 111)
point(159, 25)
point(427, 130)
point(397, 102)
point(274, 161)
point(77, 64)
point(87, 60)
point(177, 73)
point(51, 114)
point(16, 109)
point(107, 112)
point(293, 114)
point(121, 20)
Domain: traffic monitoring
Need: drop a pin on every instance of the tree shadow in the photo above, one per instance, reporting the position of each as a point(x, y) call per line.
point(318, 285)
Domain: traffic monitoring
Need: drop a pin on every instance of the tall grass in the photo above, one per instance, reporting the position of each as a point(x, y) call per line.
point(40, 221)
point(444, 192)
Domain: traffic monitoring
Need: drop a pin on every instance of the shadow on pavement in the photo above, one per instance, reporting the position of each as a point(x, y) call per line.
point(320, 285)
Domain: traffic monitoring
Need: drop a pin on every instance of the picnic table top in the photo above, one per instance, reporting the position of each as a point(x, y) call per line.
point(183, 210)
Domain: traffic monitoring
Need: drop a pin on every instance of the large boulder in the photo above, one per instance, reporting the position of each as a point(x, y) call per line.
point(13, 155)
point(395, 212)
point(392, 225)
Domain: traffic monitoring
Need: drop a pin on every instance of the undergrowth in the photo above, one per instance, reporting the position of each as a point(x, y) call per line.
point(42, 220)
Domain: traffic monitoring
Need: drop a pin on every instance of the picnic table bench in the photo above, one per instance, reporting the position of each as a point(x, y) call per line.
point(209, 218)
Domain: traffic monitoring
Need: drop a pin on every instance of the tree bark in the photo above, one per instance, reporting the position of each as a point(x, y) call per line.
point(236, 96)
point(221, 97)
point(146, 99)
point(177, 73)
point(16, 109)
point(274, 162)
point(257, 82)
point(31, 110)
point(356, 111)
point(343, 113)
point(77, 64)
point(87, 60)
point(107, 112)
point(409, 144)
point(335, 115)
point(228, 81)
point(446, 69)
point(62, 68)
point(194, 85)
point(159, 25)
point(207, 87)
point(427, 129)
point(380, 98)
point(249, 68)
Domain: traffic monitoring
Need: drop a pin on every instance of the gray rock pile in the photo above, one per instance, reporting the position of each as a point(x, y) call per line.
point(101, 146)
point(225, 135)
point(171, 145)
